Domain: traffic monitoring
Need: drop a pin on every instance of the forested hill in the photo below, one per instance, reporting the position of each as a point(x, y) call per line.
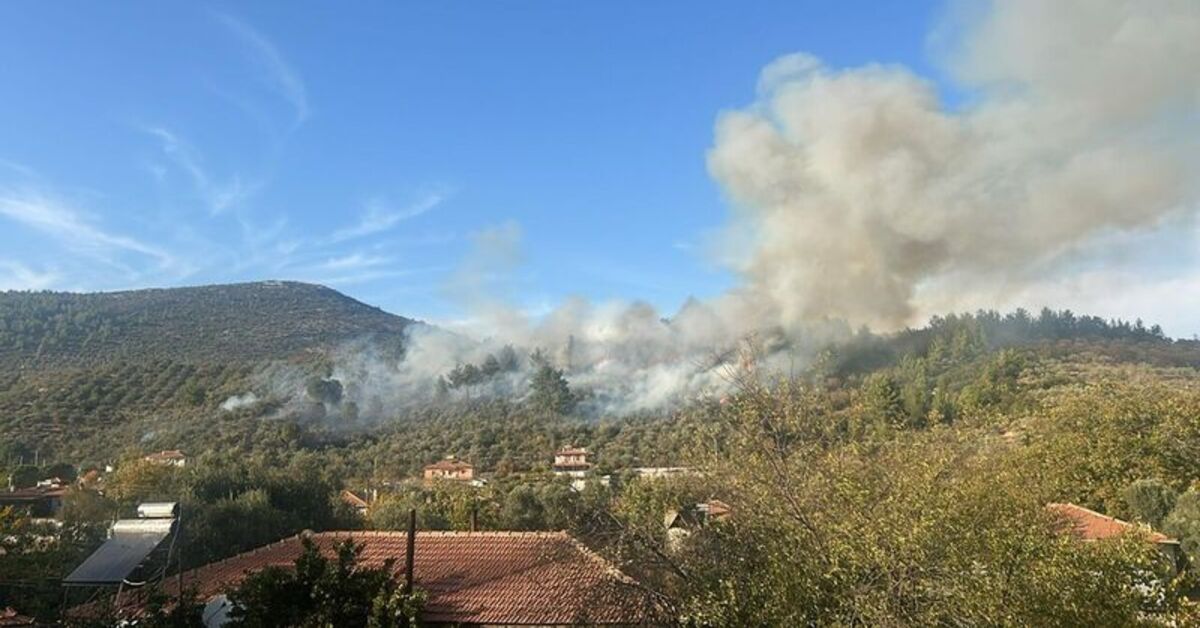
point(237, 322)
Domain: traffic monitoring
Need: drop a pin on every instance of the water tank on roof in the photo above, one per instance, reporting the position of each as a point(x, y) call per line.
point(158, 510)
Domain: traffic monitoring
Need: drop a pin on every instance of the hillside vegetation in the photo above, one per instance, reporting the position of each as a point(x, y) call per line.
point(900, 480)
point(224, 323)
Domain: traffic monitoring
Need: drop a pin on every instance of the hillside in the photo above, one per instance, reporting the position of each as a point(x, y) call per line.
point(226, 323)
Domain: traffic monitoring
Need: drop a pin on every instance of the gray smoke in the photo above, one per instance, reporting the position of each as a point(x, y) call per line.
point(236, 402)
point(860, 197)
point(865, 197)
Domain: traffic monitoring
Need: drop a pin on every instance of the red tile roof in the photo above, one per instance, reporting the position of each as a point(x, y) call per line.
point(352, 499)
point(1090, 525)
point(448, 465)
point(10, 617)
point(507, 578)
point(32, 494)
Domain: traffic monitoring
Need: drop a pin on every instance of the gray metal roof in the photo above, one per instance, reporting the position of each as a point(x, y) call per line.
point(131, 542)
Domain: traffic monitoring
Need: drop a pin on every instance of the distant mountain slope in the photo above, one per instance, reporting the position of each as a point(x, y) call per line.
point(237, 322)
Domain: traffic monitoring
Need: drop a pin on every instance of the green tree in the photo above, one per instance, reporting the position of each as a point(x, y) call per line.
point(549, 391)
point(320, 593)
point(523, 509)
point(1184, 523)
point(326, 391)
point(24, 476)
point(882, 400)
point(925, 529)
point(1149, 501)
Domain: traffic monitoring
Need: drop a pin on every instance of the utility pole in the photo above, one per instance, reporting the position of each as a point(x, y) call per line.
point(409, 555)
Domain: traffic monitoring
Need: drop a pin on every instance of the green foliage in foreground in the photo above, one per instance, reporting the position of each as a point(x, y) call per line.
point(909, 493)
point(319, 592)
point(930, 528)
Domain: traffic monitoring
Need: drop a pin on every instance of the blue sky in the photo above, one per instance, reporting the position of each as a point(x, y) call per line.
point(169, 143)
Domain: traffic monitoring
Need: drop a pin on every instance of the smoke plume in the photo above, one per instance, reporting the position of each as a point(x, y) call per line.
point(864, 195)
point(868, 196)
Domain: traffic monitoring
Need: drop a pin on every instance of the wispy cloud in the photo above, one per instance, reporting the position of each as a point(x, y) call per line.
point(380, 216)
point(277, 72)
point(55, 219)
point(354, 261)
point(20, 169)
point(348, 278)
point(17, 276)
point(218, 196)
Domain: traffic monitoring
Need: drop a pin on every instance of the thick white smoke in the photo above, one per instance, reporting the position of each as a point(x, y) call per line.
point(866, 196)
point(860, 197)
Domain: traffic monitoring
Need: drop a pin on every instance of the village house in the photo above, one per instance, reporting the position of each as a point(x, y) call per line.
point(681, 523)
point(663, 472)
point(571, 462)
point(450, 469)
point(42, 501)
point(1089, 525)
point(172, 457)
point(360, 502)
point(471, 578)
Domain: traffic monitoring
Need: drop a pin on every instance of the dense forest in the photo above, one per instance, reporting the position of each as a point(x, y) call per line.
point(899, 480)
point(238, 322)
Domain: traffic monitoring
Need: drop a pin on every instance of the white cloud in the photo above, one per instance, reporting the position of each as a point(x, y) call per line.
point(278, 73)
point(17, 276)
point(353, 261)
point(380, 216)
point(219, 197)
point(53, 218)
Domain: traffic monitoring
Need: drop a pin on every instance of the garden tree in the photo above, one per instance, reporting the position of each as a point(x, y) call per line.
point(86, 506)
point(35, 557)
point(440, 506)
point(320, 593)
point(562, 506)
point(137, 480)
point(268, 499)
point(1149, 501)
point(522, 509)
point(61, 470)
point(1183, 523)
point(24, 476)
point(926, 529)
point(1108, 432)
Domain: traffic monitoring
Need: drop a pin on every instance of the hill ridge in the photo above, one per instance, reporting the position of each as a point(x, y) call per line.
point(271, 319)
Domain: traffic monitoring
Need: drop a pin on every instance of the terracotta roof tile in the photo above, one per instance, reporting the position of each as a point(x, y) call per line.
point(473, 577)
point(1090, 525)
point(449, 465)
point(10, 617)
